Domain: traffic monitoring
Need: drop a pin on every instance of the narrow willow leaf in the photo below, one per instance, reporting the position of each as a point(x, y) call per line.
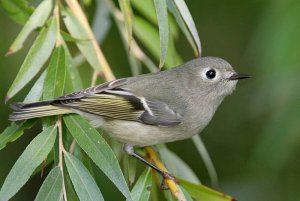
point(33, 155)
point(70, 191)
point(128, 17)
point(169, 197)
point(176, 165)
point(36, 20)
point(186, 195)
point(85, 186)
point(67, 37)
point(129, 167)
point(73, 78)
point(13, 132)
point(142, 189)
point(56, 75)
point(17, 10)
point(134, 63)
point(97, 149)
point(173, 8)
point(77, 30)
point(46, 163)
point(206, 159)
point(173, 56)
point(147, 9)
point(162, 18)
point(149, 37)
point(102, 21)
point(187, 17)
point(36, 91)
point(200, 192)
point(35, 59)
point(51, 189)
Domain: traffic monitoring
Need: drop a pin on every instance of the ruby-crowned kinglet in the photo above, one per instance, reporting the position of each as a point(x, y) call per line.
point(149, 109)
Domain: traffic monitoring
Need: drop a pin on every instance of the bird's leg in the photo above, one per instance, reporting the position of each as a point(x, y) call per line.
point(166, 175)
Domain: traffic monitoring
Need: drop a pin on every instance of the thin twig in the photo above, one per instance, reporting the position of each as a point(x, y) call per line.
point(60, 151)
point(76, 9)
point(94, 78)
point(154, 159)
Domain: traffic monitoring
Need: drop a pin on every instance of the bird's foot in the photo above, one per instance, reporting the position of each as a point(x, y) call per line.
point(167, 176)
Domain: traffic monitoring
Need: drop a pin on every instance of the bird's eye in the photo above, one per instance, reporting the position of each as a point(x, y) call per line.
point(210, 74)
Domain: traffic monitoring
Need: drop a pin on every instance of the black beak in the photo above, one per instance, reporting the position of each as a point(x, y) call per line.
point(237, 76)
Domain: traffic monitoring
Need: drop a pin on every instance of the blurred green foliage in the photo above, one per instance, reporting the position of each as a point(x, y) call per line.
point(253, 138)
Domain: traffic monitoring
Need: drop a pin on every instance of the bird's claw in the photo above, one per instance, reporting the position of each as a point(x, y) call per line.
point(166, 176)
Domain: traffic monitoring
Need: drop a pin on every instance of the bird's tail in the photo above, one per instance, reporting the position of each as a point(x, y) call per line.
point(38, 109)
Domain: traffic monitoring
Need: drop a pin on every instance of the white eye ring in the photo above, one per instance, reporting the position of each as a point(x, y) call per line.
point(210, 74)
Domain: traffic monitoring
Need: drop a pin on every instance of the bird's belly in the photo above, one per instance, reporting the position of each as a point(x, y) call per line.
point(135, 133)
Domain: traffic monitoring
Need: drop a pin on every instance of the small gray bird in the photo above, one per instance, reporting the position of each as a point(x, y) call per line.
point(149, 109)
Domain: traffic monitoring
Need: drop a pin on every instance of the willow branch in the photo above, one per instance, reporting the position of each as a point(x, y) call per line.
point(60, 151)
point(172, 185)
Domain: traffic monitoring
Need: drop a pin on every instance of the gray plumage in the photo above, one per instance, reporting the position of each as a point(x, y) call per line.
point(149, 109)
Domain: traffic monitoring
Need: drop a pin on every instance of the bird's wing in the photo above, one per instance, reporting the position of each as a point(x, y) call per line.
point(112, 101)
point(94, 90)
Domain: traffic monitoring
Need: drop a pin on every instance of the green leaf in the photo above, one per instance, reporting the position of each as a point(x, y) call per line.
point(102, 21)
point(187, 17)
point(128, 17)
point(201, 192)
point(37, 19)
point(46, 163)
point(176, 165)
point(35, 59)
point(187, 196)
point(149, 37)
point(134, 63)
point(70, 191)
point(176, 13)
point(85, 186)
point(162, 18)
point(73, 77)
point(129, 168)
point(206, 159)
point(17, 10)
point(77, 30)
point(33, 155)
point(67, 37)
point(146, 7)
point(13, 132)
point(141, 190)
point(56, 75)
point(97, 149)
point(51, 189)
point(36, 91)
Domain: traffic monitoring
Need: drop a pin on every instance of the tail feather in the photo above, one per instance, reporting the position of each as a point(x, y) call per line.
point(24, 111)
